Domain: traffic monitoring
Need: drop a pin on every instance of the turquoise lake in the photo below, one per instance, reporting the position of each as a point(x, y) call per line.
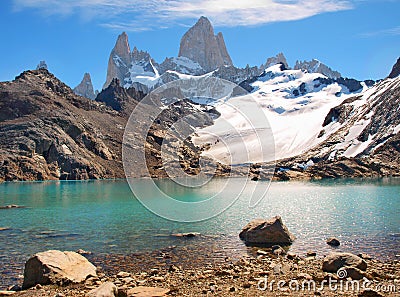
point(105, 217)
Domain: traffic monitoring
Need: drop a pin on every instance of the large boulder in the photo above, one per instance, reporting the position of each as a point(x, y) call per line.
point(271, 231)
point(335, 261)
point(56, 267)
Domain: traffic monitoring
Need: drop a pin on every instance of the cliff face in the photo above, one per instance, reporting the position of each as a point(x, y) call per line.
point(200, 45)
point(48, 132)
point(119, 61)
point(395, 70)
point(85, 88)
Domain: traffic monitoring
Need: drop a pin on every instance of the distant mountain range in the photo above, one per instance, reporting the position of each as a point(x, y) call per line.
point(201, 51)
point(324, 125)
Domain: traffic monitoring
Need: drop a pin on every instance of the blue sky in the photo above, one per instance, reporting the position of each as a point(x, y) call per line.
point(359, 38)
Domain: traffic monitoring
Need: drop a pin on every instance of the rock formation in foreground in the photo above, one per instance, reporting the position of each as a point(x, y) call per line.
point(56, 267)
point(200, 45)
point(85, 88)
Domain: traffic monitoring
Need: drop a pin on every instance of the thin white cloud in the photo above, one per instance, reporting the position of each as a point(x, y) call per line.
point(386, 32)
point(143, 15)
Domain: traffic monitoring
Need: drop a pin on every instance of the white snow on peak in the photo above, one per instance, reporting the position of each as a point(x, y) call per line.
point(295, 103)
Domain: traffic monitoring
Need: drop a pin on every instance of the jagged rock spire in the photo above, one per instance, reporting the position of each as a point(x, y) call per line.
point(200, 45)
point(85, 88)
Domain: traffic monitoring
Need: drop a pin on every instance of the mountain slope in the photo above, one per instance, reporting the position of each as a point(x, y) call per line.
point(364, 138)
point(49, 132)
point(295, 103)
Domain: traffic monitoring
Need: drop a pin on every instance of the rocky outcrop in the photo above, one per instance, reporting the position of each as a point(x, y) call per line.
point(335, 261)
point(129, 67)
point(56, 267)
point(271, 231)
point(119, 61)
point(200, 45)
point(48, 132)
point(41, 65)
point(315, 66)
point(395, 70)
point(278, 59)
point(85, 88)
point(114, 96)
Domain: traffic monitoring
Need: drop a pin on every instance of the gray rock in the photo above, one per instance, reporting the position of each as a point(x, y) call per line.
point(271, 231)
point(335, 261)
point(85, 87)
point(332, 241)
point(107, 289)
point(354, 273)
point(200, 45)
point(56, 267)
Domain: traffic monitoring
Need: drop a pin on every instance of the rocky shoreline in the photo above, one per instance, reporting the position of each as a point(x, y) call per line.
point(189, 271)
point(246, 276)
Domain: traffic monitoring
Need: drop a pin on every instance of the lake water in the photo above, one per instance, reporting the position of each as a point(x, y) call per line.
point(104, 217)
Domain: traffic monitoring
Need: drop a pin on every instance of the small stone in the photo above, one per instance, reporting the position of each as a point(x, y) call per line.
point(232, 289)
point(279, 251)
point(123, 274)
point(173, 268)
point(365, 256)
point(305, 276)
point(83, 252)
point(147, 292)
point(14, 288)
point(105, 290)
point(291, 255)
point(247, 285)
point(353, 273)
point(370, 293)
point(261, 252)
point(332, 241)
point(38, 286)
point(158, 278)
point(311, 254)
point(7, 293)
point(335, 261)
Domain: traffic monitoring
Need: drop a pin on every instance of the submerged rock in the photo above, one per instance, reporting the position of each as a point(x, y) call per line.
point(187, 235)
point(271, 231)
point(335, 261)
point(332, 241)
point(56, 267)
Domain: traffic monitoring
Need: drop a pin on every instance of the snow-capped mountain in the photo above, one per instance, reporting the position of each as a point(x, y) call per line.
point(319, 129)
point(131, 67)
point(201, 52)
point(295, 102)
point(315, 66)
